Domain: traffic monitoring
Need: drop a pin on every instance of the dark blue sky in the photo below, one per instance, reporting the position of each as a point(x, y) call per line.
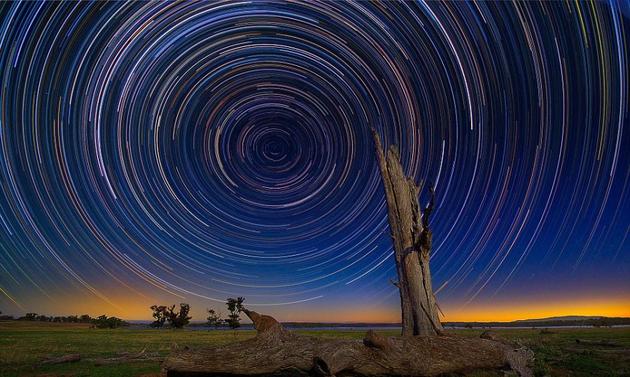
point(167, 152)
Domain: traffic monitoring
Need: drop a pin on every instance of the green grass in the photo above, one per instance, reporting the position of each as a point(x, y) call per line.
point(558, 354)
point(24, 345)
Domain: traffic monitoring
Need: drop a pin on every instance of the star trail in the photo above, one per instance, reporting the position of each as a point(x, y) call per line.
point(190, 151)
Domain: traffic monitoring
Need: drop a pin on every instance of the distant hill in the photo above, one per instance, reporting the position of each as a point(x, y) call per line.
point(562, 318)
point(573, 320)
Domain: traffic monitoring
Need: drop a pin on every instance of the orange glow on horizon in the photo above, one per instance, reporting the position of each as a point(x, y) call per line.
point(511, 311)
point(135, 308)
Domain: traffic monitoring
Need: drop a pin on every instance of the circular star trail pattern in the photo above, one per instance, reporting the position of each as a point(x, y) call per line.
point(223, 148)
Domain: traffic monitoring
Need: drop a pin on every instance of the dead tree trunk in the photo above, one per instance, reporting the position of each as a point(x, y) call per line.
point(411, 236)
point(279, 352)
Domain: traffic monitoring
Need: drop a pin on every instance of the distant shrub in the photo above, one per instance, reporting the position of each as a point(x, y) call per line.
point(214, 319)
point(28, 317)
point(175, 319)
point(179, 319)
point(105, 322)
point(159, 313)
point(85, 318)
point(235, 306)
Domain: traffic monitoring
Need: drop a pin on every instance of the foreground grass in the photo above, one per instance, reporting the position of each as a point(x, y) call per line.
point(24, 345)
point(558, 353)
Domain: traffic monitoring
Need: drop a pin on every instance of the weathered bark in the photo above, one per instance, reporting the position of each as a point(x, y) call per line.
point(264, 323)
point(279, 352)
point(411, 236)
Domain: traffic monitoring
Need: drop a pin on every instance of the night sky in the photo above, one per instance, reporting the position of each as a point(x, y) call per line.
point(190, 152)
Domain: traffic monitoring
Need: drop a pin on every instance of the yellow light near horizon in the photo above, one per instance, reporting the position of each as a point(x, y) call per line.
point(609, 307)
point(137, 308)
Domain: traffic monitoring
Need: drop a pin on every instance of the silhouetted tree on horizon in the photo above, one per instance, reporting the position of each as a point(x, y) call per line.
point(235, 306)
point(175, 319)
point(179, 319)
point(105, 322)
point(159, 313)
point(214, 318)
point(85, 318)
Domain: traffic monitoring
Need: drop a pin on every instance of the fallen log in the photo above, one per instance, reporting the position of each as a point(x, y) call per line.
point(62, 359)
point(598, 343)
point(278, 352)
point(126, 357)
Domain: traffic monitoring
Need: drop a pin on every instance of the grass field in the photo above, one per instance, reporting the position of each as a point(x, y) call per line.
point(24, 345)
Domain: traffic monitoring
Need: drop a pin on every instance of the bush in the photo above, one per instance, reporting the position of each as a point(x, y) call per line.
point(85, 318)
point(28, 317)
point(214, 319)
point(179, 319)
point(175, 319)
point(235, 306)
point(105, 322)
point(159, 313)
